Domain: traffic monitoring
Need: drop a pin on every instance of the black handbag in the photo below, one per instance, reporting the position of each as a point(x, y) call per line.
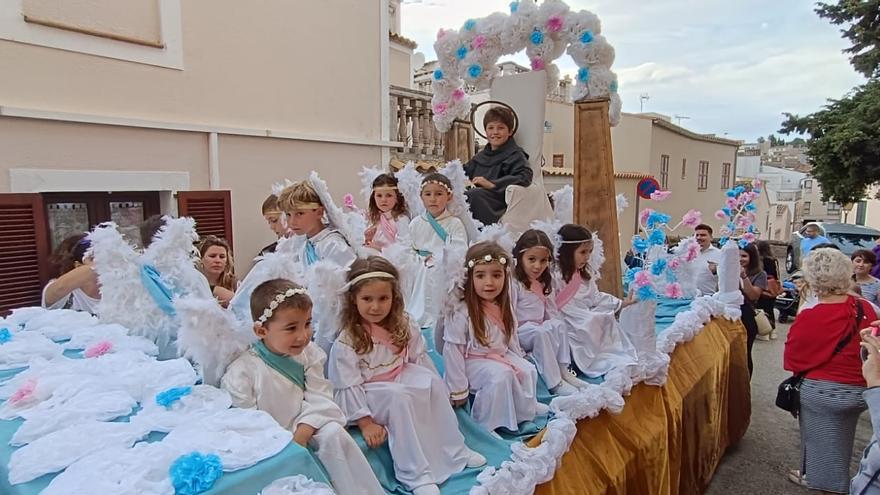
point(788, 395)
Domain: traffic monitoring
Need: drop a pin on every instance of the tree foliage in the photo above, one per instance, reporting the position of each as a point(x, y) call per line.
point(861, 21)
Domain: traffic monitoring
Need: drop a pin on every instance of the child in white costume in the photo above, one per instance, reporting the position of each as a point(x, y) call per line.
point(590, 317)
point(540, 330)
point(387, 212)
point(481, 350)
point(282, 374)
point(387, 385)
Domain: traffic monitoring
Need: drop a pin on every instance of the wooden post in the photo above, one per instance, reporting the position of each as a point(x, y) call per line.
point(595, 204)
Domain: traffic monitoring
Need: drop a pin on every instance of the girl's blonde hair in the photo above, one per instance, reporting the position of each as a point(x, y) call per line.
point(828, 272)
point(226, 279)
point(397, 323)
point(477, 253)
point(295, 196)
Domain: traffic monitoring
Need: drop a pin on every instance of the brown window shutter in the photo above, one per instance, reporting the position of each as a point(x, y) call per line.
point(24, 250)
point(212, 211)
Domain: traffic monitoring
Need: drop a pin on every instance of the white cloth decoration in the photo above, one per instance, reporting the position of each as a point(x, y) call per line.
point(297, 485)
point(204, 400)
point(25, 346)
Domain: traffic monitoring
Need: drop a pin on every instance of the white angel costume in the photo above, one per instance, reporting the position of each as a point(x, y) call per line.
point(389, 230)
point(541, 332)
point(597, 343)
point(401, 390)
point(502, 381)
point(253, 383)
point(430, 240)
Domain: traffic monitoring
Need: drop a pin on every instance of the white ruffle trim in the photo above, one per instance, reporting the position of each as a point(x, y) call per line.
point(297, 485)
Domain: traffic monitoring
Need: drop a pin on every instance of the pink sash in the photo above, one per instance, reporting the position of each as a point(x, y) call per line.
point(383, 337)
point(389, 226)
point(568, 292)
point(493, 314)
point(537, 288)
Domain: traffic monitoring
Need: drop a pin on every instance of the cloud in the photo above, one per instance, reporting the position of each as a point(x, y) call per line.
point(652, 72)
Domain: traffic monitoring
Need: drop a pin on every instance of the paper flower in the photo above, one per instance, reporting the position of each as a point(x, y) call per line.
point(657, 237)
point(693, 251)
point(660, 195)
point(743, 243)
point(730, 193)
point(630, 275)
point(751, 207)
point(537, 37)
point(731, 202)
point(458, 94)
point(514, 6)
point(692, 218)
point(474, 71)
point(167, 398)
point(461, 53)
point(674, 263)
point(195, 473)
point(673, 291)
point(24, 392)
point(438, 75)
point(644, 214)
point(657, 218)
point(440, 108)
point(749, 237)
point(5, 335)
point(642, 279)
point(538, 64)
point(99, 349)
point(720, 215)
point(441, 33)
point(586, 37)
point(479, 42)
point(659, 266)
point(555, 23)
point(646, 293)
point(469, 24)
point(640, 245)
point(583, 74)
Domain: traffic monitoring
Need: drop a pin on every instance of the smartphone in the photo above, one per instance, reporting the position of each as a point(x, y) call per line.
point(864, 352)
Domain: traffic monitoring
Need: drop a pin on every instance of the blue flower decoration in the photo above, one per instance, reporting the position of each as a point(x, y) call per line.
point(722, 241)
point(438, 74)
point(514, 6)
point(657, 218)
point(752, 228)
point(469, 24)
point(751, 207)
point(640, 245)
point(657, 237)
point(727, 211)
point(195, 473)
point(743, 243)
point(586, 37)
point(583, 74)
point(537, 37)
point(630, 275)
point(658, 266)
point(646, 293)
point(5, 335)
point(731, 226)
point(613, 86)
point(730, 193)
point(670, 276)
point(739, 189)
point(461, 53)
point(757, 190)
point(172, 395)
point(474, 71)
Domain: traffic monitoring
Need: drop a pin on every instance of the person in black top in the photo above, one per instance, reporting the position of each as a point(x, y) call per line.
point(767, 301)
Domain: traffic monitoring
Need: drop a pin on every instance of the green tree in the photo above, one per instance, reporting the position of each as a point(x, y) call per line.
point(861, 21)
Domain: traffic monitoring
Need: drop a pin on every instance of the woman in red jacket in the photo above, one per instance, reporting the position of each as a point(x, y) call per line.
point(823, 344)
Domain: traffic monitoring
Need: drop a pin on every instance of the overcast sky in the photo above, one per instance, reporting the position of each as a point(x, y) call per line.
point(733, 67)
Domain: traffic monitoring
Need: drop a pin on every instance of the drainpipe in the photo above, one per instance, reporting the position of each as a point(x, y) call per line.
point(213, 161)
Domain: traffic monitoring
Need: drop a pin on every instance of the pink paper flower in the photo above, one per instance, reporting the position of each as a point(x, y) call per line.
point(643, 216)
point(478, 42)
point(757, 183)
point(693, 250)
point(732, 203)
point(720, 215)
point(440, 108)
point(98, 349)
point(673, 291)
point(538, 64)
point(458, 94)
point(26, 391)
point(440, 33)
point(660, 195)
point(554, 24)
point(642, 279)
point(749, 237)
point(348, 202)
point(692, 218)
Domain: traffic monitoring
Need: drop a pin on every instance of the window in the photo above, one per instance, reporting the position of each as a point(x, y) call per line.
point(807, 205)
point(684, 166)
point(808, 185)
point(725, 175)
point(703, 177)
point(833, 208)
point(664, 171)
point(74, 212)
point(558, 161)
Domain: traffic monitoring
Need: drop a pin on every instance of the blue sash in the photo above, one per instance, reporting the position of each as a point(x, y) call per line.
point(438, 229)
point(287, 366)
point(311, 253)
point(157, 288)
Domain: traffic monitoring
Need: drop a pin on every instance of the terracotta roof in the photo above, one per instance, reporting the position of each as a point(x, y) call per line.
point(570, 173)
point(402, 40)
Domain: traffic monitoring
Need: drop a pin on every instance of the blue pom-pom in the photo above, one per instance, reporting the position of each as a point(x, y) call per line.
point(722, 241)
point(586, 37)
point(195, 473)
point(583, 74)
point(640, 245)
point(646, 293)
point(740, 189)
point(630, 275)
point(469, 24)
point(752, 228)
point(657, 218)
point(730, 193)
point(751, 207)
point(172, 395)
point(514, 6)
point(438, 74)
point(537, 37)
point(670, 276)
point(727, 211)
point(474, 71)
point(757, 190)
point(657, 237)
point(613, 86)
point(658, 267)
point(5, 335)
point(462, 52)
point(743, 243)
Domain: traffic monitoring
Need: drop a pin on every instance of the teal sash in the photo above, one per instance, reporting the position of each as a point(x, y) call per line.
point(311, 253)
point(287, 366)
point(438, 229)
point(157, 288)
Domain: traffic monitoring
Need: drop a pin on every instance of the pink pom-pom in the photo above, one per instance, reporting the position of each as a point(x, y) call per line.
point(643, 216)
point(26, 391)
point(732, 203)
point(440, 108)
point(660, 195)
point(440, 33)
point(749, 237)
point(673, 291)
point(720, 215)
point(98, 349)
point(675, 263)
point(348, 202)
point(642, 279)
point(692, 252)
point(554, 24)
point(757, 183)
point(692, 218)
point(478, 42)
point(538, 64)
point(458, 94)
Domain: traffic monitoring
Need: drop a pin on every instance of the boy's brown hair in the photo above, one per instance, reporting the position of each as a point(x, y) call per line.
point(299, 196)
point(270, 204)
point(499, 114)
point(266, 292)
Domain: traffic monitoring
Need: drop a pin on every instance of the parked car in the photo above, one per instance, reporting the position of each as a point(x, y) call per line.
point(846, 236)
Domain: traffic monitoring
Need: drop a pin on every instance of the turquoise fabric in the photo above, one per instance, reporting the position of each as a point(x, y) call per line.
point(438, 229)
point(311, 253)
point(157, 288)
point(666, 311)
point(287, 366)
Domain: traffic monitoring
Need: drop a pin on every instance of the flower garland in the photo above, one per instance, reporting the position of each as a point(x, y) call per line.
point(470, 55)
point(739, 213)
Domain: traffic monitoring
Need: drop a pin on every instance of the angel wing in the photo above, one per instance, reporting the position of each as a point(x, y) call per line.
point(325, 281)
point(409, 181)
point(368, 175)
point(458, 206)
point(563, 205)
point(172, 252)
point(499, 234)
point(597, 257)
point(279, 264)
point(351, 225)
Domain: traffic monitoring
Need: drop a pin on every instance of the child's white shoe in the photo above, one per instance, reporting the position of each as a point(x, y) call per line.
point(475, 459)
point(564, 389)
point(542, 409)
point(571, 378)
point(427, 490)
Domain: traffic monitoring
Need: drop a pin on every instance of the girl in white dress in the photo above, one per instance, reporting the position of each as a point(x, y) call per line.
point(387, 213)
point(540, 330)
point(283, 374)
point(481, 350)
point(387, 385)
point(590, 317)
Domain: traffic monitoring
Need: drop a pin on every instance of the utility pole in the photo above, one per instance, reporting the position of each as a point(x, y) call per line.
point(642, 99)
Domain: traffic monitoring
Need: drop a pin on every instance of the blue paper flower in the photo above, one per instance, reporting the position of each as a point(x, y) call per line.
point(657, 237)
point(461, 53)
point(5, 335)
point(752, 228)
point(469, 24)
point(474, 71)
point(438, 74)
point(586, 36)
point(630, 275)
point(613, 86)
point(740, 189)
point(670, 276)
point(537, 37)
point(657, 218)
point(722, 241)
point(514, 6)
point(730, 193)
point(727, 211)
point(172, 395)
point(751, 207)
point(658, 266)
point(195, 473)
point(646, 293)
point(743, 243)
point(583, 74)
point(640, 245)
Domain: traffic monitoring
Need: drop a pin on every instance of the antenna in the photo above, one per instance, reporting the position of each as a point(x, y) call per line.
point(679, 118)
point(642, 99)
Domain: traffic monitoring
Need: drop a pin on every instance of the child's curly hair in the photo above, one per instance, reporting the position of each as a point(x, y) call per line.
point(396, 322)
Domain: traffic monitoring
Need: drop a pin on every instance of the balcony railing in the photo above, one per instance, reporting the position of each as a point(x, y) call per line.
point(412, 125)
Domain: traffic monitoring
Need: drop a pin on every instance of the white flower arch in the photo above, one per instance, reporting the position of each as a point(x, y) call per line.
point(470, 55)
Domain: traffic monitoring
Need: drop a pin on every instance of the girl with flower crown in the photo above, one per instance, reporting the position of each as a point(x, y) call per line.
point(387, 213)
point(387, 385)
point(481, 349)
point(589, 316)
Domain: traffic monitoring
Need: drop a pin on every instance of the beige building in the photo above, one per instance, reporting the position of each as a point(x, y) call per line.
point(164, 96)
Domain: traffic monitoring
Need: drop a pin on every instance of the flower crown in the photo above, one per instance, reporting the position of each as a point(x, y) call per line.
point(280, 298)
point(437, 182)
point(487, 259)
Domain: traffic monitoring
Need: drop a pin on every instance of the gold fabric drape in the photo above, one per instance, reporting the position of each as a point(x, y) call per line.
point(667, 440)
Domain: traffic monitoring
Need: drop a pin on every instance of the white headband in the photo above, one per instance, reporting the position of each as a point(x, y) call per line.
point(365, 276)
point(279, 298)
